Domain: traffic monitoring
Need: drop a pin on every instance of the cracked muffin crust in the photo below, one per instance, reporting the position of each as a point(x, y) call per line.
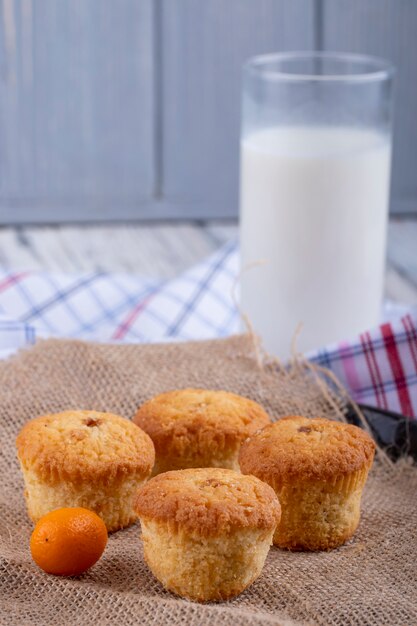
point(199, 427)
point(318, 469)
point(206, 532)
point(84, 458)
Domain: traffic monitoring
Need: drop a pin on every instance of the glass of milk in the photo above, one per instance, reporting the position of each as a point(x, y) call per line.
point(315, 178)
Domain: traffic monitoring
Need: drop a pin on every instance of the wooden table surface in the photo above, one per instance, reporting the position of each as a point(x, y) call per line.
point(162, 250)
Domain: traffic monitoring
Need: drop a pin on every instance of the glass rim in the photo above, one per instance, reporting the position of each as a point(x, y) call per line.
point(258, 66)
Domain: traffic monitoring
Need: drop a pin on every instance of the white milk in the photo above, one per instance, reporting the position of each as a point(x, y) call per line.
point(314, 203)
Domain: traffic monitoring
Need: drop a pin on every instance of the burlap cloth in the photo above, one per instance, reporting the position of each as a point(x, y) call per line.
point(372, 580)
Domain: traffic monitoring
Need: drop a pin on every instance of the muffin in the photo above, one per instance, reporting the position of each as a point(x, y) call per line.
point(318, 469)
point(206, 532)
point(84, 459)
point(199, 428)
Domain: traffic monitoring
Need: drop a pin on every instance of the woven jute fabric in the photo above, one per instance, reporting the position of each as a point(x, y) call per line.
point(371, 580)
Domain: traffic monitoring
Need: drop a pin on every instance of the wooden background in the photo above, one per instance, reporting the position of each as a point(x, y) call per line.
point(129, 109)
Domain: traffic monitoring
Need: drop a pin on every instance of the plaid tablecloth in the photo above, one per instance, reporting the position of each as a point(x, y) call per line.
point(379, 367)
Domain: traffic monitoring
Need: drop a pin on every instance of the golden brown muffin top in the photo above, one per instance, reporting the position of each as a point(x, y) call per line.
point(208, 502)
point(175, 418)
point(308, 449)
point(84, 446)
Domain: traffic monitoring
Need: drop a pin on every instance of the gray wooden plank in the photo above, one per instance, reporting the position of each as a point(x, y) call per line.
point(163, 251)
point(387, 29)
point(204, 46)
point(221, 232)
point(15, 254)
point(155, 251)
point(402, 248)
point(111, 209)
point(76, 106)
point(398, 288)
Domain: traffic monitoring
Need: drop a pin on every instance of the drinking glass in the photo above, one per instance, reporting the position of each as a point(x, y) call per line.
point(314, 197)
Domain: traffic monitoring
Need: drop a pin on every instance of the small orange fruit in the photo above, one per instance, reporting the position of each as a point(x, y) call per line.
point(68, 541)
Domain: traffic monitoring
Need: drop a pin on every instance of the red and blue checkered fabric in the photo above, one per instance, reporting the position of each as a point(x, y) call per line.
point(379, 367)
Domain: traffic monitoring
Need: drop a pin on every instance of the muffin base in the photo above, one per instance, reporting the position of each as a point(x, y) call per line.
point(319, 516)
point(204, 569)
point(113, 502)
